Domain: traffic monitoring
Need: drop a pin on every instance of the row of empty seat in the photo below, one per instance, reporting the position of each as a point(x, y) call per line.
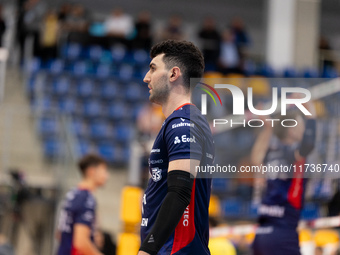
point(100, 91)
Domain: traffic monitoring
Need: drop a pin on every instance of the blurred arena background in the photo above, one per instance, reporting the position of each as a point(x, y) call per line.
point(71, 82)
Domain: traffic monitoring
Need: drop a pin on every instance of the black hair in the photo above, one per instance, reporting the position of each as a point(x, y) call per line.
point(90, 160)
point(183, 54)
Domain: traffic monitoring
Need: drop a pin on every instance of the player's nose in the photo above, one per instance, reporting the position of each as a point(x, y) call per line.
point(147, 78)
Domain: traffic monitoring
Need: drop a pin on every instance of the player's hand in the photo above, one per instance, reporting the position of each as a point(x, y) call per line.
point(143, 253)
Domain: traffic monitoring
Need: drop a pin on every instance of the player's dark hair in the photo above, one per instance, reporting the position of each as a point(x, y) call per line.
point(90, 160)
point(183, 54)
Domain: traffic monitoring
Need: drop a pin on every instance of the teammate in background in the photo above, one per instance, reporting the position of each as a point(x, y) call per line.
point(283, 198)
point(175, 204)
point(78, 215)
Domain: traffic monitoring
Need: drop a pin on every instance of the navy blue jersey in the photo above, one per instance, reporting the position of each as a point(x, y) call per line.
point(79, 208)
point(280, 210)
point(185, 134)
point(283, 199)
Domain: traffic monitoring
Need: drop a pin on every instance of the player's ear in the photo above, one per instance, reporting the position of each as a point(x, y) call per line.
point(90, 172)
point(175, 73)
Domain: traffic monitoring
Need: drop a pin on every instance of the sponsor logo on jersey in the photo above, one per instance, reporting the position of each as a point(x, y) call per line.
point(156, 174)
point(156, 161)
point(88, 216)
point(144, 222)
point(186, 139)
point(186, 217)
point(90, 202)
point(209, 155)
point(183, 124)
point(177, 140)
point(273, 211)
point(155, 150)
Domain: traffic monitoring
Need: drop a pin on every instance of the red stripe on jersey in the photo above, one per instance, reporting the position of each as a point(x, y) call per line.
point(295, 191)
point(183, 105)
point(185, 230)
point(74, 251)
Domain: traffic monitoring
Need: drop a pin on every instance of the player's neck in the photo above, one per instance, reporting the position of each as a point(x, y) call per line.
point(174, 101)
point(87, 185)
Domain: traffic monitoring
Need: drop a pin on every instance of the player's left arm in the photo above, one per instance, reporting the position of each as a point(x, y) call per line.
point(308, 141)
point(180, 182)
point(183, 157)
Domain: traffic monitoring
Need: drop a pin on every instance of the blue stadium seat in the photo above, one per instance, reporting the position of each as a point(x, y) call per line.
point(252, 213)
point(330, 72)
point(73, 51)
point(109, 90)
point(118, 111)
point(83, 147)
point(78, 128)
point(48, 126)
point(80, 68)
point(107, 57)
point(107, 151)
point(52, 148)
point(103, 71)
point(67, 105)
point(95, 53)
point(141, 57)
point(249, 67)
point(101, 130)
point(43, 104)
point(85, 88)
point(92, 109)
point(290, 73)
point(267, 71)
point(118, 53)
point(123, 133)
point(125, 72)
point(310, 211)
point(134, 92)
point(33, 66)
point(232, 207)
point(220, 185)
point(125, 155)
point(310, 73)
point(61, 86)
point(56, 66)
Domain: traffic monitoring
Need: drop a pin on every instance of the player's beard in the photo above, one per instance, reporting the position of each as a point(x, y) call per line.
point(160, 92)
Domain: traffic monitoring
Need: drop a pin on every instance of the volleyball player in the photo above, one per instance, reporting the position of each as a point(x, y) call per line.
point(78, 216)
point(279, 212)
point(175, 203)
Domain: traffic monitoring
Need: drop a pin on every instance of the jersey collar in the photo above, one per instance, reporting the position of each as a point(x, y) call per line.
point(183, 105)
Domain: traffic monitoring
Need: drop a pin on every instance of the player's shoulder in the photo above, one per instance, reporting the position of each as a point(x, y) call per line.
point(186, 116)
point(81, 198)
